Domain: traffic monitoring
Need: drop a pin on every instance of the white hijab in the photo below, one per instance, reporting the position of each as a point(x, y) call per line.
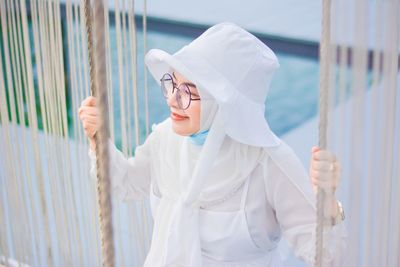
point(238, 132)
point(233, 163)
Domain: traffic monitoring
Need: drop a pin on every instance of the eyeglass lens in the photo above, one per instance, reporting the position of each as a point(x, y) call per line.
point(168, 89)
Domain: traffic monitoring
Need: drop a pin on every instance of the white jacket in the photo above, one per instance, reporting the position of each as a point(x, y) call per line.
point(244, 227)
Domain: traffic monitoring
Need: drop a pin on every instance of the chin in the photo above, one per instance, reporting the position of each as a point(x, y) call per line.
point(182, 130)
point(178, 130)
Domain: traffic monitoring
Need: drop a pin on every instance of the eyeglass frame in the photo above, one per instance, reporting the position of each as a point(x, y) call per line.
point(177, 88)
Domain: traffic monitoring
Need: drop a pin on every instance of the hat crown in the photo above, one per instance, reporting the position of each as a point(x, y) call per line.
point(241, 58)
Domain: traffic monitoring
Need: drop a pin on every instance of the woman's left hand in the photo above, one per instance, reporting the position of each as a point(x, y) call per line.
point(324, 170)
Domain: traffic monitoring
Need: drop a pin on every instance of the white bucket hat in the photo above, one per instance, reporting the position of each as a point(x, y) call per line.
point(235, 68)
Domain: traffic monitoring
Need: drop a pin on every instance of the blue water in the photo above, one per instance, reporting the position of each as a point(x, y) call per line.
point(292, 98)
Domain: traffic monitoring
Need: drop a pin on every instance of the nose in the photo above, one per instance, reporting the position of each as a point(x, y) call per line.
point(171, 100)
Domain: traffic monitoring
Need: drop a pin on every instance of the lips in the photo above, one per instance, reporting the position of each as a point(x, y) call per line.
point(178, 117)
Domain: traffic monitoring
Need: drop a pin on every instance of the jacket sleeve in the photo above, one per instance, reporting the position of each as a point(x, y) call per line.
point(290, 194)
point(130, 177)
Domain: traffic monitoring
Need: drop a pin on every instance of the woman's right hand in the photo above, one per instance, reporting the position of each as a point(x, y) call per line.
point(88, 113)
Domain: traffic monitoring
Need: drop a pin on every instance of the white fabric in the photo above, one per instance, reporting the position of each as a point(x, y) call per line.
point(279, 202)
point(208, 110)
point(193, 175)
point(211, 62)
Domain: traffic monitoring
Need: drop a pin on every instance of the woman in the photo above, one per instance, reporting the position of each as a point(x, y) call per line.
point(223, 187)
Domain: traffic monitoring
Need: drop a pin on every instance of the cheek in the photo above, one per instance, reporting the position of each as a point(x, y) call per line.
point(197, 113)
point(191, 125)
point(194, 113)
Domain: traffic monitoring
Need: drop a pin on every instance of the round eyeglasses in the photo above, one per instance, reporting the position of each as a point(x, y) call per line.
point(183, 95)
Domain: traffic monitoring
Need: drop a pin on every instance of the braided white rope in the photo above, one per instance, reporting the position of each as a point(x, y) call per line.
point(323, 120)
point(98, 87)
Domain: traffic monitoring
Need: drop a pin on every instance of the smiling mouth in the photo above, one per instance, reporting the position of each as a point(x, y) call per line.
point(178, 117)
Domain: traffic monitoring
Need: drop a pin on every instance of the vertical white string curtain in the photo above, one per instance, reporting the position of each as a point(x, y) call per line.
point(48, 204)
point(363, 126)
